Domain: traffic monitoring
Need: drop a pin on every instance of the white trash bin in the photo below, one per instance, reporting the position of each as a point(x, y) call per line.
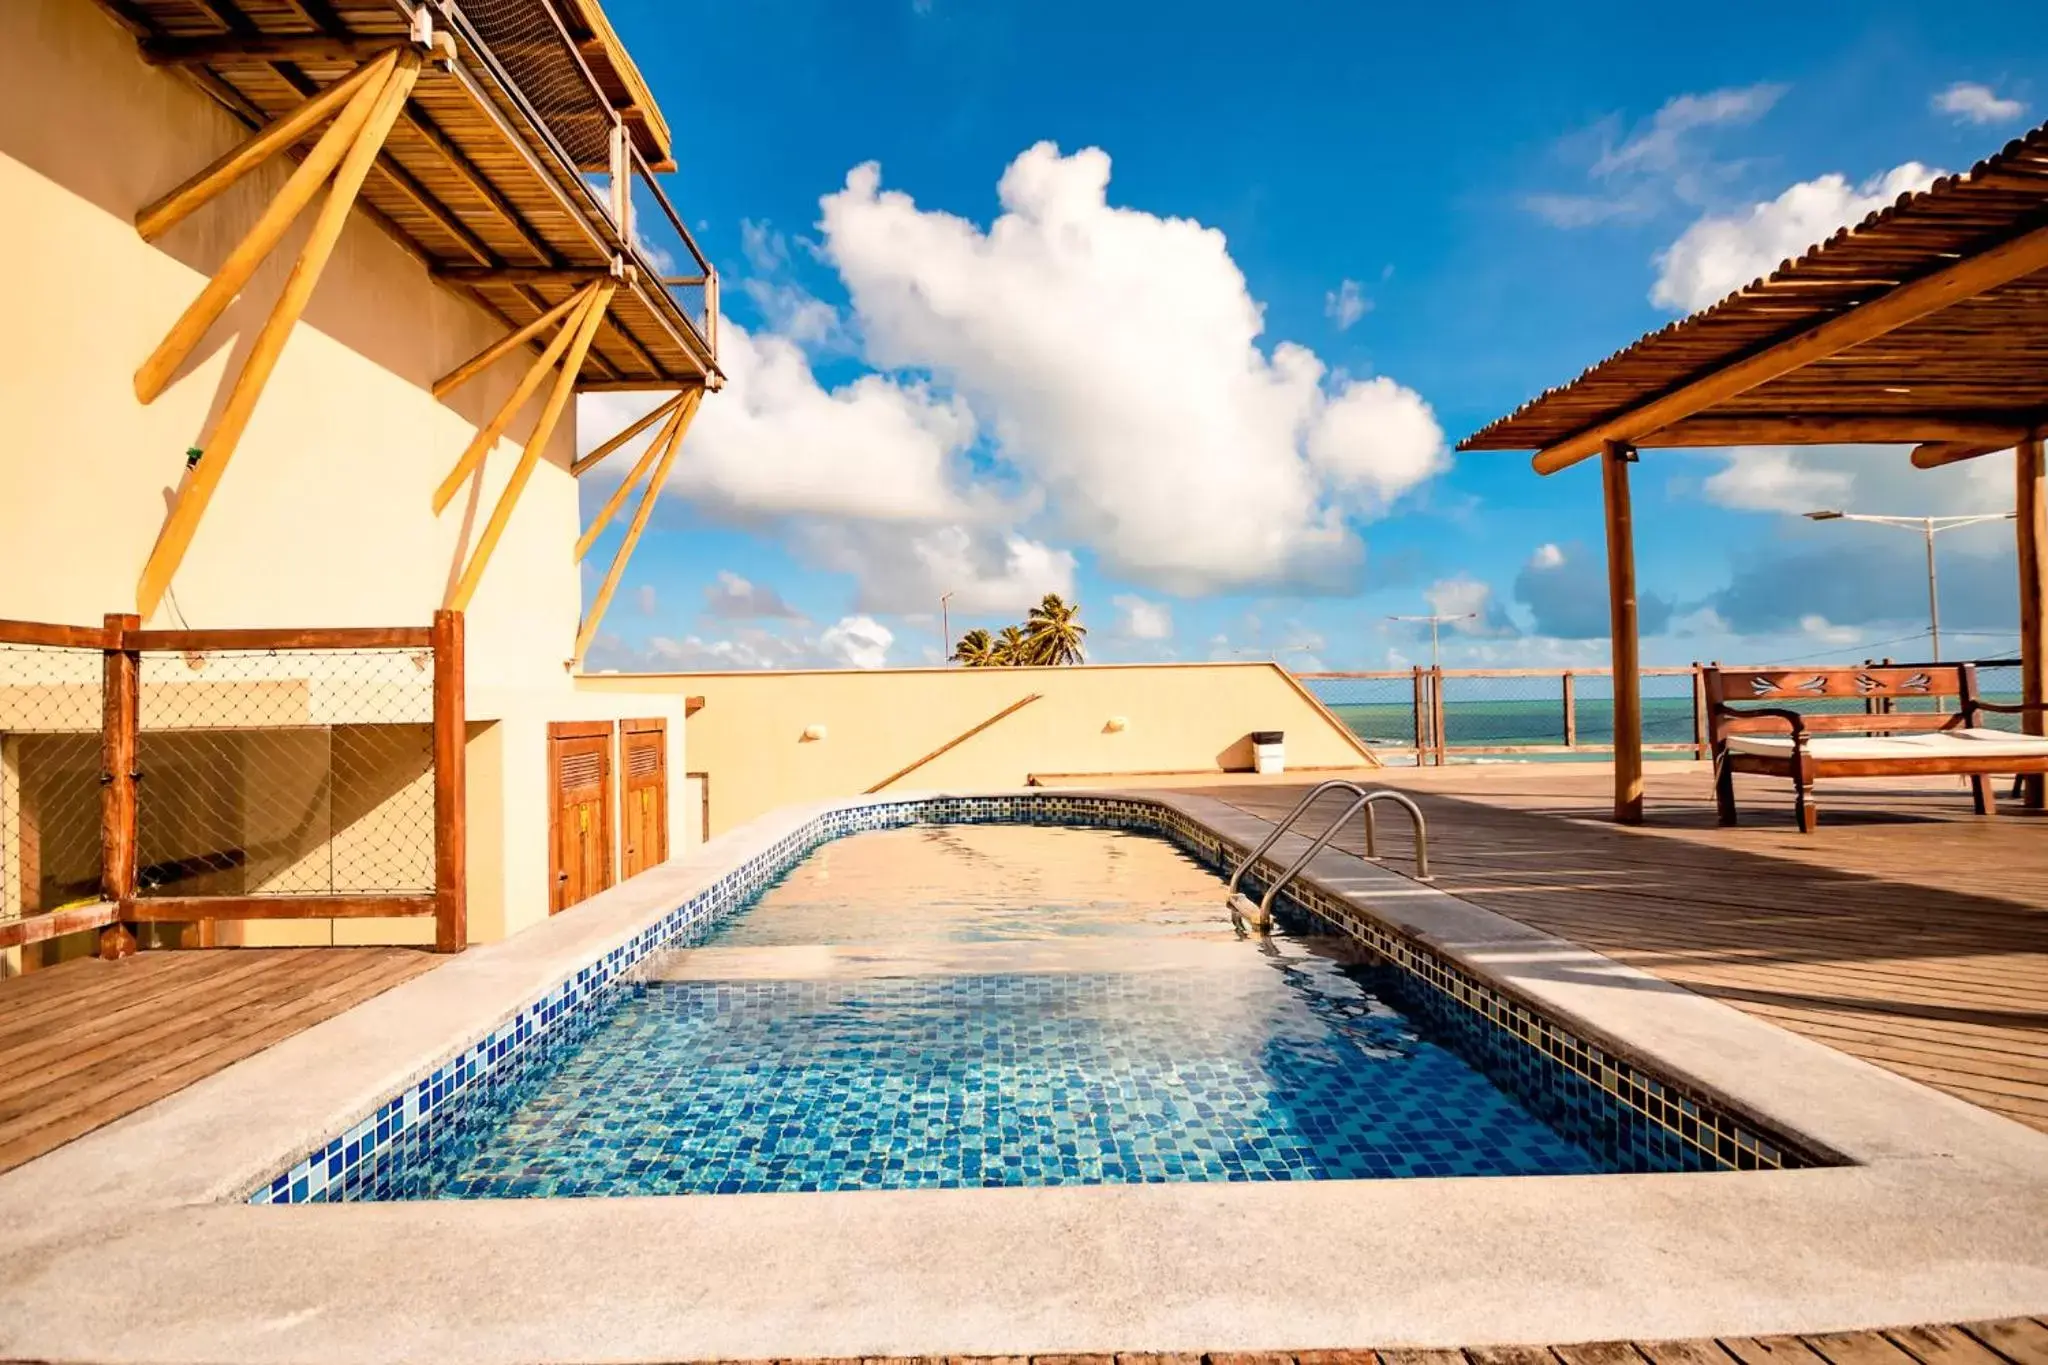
point(1269, 753)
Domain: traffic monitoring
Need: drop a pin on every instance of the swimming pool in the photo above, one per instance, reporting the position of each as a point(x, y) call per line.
point(956, 1005)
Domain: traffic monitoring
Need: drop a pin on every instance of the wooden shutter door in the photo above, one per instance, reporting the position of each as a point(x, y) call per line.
point(579, 811)
point(644, 817)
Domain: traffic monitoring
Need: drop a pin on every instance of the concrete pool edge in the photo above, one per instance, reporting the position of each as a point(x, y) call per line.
point(1947, 1209)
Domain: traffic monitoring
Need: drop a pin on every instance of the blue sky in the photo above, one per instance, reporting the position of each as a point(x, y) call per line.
point(1204, 377)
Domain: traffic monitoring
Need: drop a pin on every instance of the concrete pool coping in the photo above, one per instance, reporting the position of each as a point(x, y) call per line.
point(123, 1249)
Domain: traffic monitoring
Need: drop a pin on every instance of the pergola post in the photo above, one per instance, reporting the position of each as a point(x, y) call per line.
point(2030, 508)
point(1616, 456)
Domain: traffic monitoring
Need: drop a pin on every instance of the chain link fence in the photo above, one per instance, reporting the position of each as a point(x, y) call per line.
point(285, 772)
point(1425, 715)
point(50, 716)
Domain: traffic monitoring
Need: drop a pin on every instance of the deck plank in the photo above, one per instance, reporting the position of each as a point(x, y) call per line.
point(88, 1042)
point(1908, 932)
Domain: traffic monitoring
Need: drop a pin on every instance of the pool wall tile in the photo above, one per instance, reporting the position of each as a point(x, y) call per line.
point(1632, 1119)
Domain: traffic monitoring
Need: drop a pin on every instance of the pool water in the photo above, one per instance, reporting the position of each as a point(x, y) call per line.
point(993, 1005)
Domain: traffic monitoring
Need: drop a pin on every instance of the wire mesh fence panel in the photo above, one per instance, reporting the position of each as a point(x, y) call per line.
point(286, 772)
point(1378, 709)
point(50, 716)
point(1667, 700)
point(1503, 712)
point(530, 45)
point(1999, 680)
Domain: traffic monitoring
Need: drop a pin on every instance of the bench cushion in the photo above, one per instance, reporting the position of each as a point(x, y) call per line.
point(1974, 743)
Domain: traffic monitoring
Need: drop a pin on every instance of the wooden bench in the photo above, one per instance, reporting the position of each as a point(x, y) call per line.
point(1879, 740)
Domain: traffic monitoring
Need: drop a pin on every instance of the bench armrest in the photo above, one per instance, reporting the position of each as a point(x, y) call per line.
point(1791, 718)
point(2025, 708)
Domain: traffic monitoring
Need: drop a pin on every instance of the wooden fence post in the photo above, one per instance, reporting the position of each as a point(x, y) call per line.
point(1571, 711)
point(1421, 716)
point(120, 720)
point(451, 737)
point(1436, 713)
point(1699, 711)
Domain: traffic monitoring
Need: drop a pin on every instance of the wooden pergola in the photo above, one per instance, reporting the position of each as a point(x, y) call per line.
point(470, 134)
point(1925, 325)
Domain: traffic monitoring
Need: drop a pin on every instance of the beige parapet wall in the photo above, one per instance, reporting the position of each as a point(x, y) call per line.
point(1099, 720)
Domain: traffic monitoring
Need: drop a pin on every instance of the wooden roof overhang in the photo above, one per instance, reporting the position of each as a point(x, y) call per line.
point(1925, 324)
point(482, 177)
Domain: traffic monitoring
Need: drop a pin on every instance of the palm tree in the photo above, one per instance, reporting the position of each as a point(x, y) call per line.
point(975, 650)
point(1055, 631)
point(1012, 646)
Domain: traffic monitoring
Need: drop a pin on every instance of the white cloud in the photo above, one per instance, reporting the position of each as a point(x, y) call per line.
point(1466, 597)
point(858, 642)
point(1346, 304)
point(1143, 620)
point(1822, 632)
point(733, 598)
point(1565, 589)
point(1113, 355)
point(1970, 102)
point(649, 600)
point(1661, 144)
point(1663, 158)
point(1774, 479)
point(775, 442)
point(988, 569)
point(1721, 253)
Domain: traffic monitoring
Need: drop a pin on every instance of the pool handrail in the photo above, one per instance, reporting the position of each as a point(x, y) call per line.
point(1283, 826)
point(1363, 802)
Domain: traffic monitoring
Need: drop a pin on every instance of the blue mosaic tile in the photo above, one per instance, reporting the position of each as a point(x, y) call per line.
point(1629, 1119)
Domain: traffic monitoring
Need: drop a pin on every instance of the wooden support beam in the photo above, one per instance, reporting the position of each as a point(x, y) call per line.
point(2030, 506)
point(487, 435)
point(504, 346)
point(1935, 454)
point(1710, 431)
point(184, 909)
point(227, 49)
point(1965, 279)
point(173, 208)
point(204, 478)
point(679, 418)
point(451, 786)
point(1621, 606)
point(585, 463)
point(543, 428)
point(120, 727)
point(522, 274)
point(627, 385)
point(672, 439)
point(262, 238)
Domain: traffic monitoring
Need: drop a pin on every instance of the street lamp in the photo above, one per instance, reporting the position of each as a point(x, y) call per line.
point(1929, 527)
point(945, 627)
point(1434, 622)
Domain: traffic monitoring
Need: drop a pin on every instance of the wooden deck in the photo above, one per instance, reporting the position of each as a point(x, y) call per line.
point(2008, 1341)
point(1908, 931)
point(86, 1042)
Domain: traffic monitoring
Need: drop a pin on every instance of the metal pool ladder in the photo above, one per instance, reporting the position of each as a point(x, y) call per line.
point(1260, 916)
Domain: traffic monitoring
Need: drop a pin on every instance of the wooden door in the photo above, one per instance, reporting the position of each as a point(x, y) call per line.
point(644, 813)
point(579, 811)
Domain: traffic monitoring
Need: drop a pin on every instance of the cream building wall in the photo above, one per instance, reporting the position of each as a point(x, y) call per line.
point(324, 517)
point(1175, 719)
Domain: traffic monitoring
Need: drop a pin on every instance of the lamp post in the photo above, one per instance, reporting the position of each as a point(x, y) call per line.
point(1929, 528)
point(945, 627)
point(1434, 622)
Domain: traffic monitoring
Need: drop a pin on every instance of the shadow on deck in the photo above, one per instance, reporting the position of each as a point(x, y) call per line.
point(1908, 931)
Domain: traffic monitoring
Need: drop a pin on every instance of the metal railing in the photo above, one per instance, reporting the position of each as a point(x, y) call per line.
point(1260, 916)
point(178, 778)
point(1440, 715)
